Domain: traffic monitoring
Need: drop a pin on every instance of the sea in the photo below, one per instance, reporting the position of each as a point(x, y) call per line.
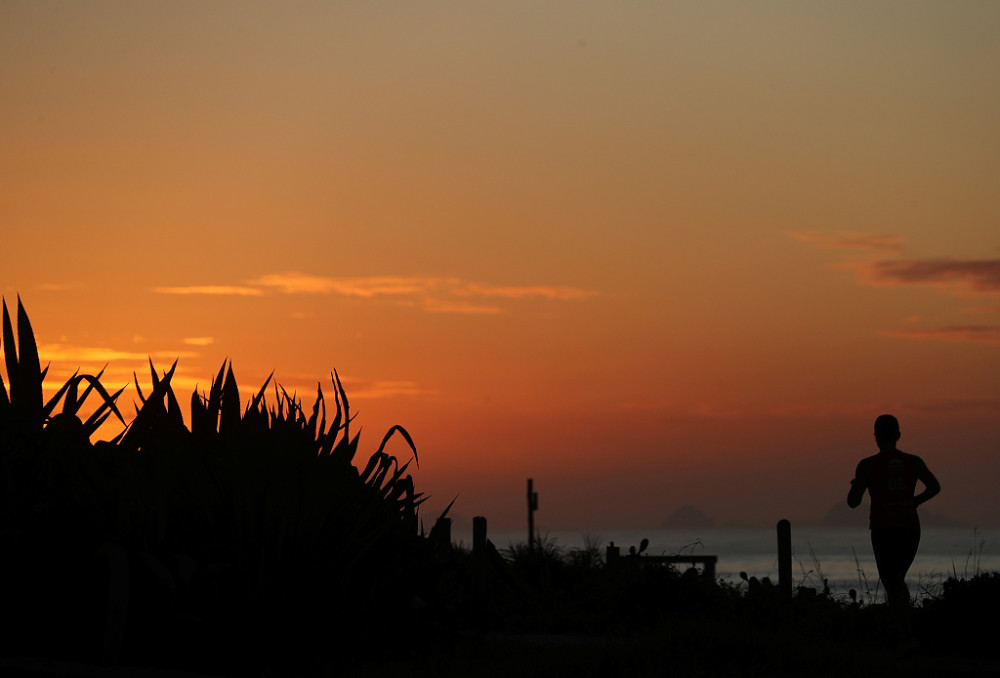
point(842, 557)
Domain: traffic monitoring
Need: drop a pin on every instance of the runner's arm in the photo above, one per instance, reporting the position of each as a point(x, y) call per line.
point(931, 484)
point(858, 485)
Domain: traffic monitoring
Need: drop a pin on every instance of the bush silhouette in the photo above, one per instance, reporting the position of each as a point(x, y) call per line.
point(249, 537)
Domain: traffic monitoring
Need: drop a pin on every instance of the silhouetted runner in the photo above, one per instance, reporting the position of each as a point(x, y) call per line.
point(891, 479)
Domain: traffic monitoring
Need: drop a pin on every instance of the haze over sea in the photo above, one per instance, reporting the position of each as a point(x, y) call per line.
point(841, 555)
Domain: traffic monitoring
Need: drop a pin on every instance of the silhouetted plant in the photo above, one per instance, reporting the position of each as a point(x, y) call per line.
point(250, 534)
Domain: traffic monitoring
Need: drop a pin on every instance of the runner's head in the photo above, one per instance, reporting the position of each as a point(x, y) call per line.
point(886, 432)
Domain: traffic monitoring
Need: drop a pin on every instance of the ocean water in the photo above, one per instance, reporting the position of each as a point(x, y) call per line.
point(842, 556)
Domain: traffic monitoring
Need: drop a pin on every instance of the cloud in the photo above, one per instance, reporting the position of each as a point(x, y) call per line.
point(978, 276)
point(301, 283)
point(212, 290)
point(971, 334)
point(851, 241)
point(526, 292)
point(97, 355)
point(965, 276)
point(198, 341)
point(438, 306)
point(430, 294)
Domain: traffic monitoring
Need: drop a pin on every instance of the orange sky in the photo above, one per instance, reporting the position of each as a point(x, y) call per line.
point(649, 254)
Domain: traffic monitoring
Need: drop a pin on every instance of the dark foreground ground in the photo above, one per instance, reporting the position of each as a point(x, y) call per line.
point(835, 642)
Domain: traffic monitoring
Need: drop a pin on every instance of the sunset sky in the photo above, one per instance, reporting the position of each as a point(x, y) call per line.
point(649, 254)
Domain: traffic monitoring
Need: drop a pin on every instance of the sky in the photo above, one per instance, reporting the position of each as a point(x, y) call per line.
point(649, 254)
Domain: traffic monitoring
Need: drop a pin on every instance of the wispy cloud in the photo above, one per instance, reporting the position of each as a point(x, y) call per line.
point(970, 334)
point(301, 283)
point(198, 341)
point(431, 294)
point(212, 290)
point(92, 355)
point(976, 276)
point(525, 292)
point(962, 276)
point(851, 241)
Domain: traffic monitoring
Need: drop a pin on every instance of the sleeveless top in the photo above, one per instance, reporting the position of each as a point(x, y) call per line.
point(892, 482)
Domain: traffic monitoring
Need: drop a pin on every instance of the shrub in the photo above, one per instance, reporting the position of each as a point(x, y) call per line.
point(253, 528)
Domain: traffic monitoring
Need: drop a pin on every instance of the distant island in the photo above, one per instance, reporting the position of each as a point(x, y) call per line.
point(688, 517)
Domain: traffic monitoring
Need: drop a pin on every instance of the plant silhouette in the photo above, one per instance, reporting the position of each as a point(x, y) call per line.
point(248, 538)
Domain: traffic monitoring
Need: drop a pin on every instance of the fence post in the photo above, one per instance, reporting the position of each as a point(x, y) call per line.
point(479, 537)
point(532, 507)
point(785, 558)
point(440, 535)
point(611, 555)
point(480, 565)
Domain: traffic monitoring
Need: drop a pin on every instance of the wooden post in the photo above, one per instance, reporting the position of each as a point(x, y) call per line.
point(479, 559)
point(532, 507)
point(440, 534)
point(479, 537)
point(785, 558)
point(709, 571)
point(612, 554)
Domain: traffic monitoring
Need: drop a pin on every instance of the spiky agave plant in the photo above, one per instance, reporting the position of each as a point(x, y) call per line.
point(268, 500)
point(281, 536)
point(32, 431)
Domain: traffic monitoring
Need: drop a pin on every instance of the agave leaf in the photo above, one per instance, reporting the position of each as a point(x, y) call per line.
point(406, 436)
point(90, 384)
point(200, 423)
point(229, 416)
point(29, 373)
point(173, 407)
point(346, 449)
point(118, 438)
point(382, 471)
point(259, 398)
point(389, 489)
point(152, 373)
point(70, 404)
point(313, 420)
point(215, 396)
point(107, 400)
point(145, 417)
point(335, 426)
point(10, 352)
point(343, 399)
point(4, 398)
point(95, 421)
point(374, 461)
point(401, 488)
point(48, 408)
point(138, 389)
point(106, 409)
point(448, 507)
